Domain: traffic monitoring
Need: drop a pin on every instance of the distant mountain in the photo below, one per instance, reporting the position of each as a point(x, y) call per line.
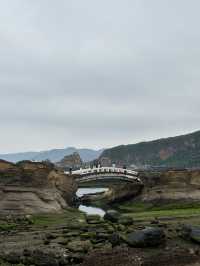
point(54, 155)
point(180, 151)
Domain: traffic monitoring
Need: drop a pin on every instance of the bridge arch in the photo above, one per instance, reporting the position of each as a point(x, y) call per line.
point(103, 173)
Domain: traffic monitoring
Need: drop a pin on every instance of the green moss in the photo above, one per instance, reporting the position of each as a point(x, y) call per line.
point(7, 227)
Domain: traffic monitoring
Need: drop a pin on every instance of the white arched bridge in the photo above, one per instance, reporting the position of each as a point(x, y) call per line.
point(103, 173)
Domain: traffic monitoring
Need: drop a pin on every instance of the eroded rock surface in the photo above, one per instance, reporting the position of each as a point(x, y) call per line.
point(30, 187)
point(171, 185)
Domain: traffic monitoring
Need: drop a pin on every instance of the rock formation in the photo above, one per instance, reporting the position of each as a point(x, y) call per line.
point(171, 186)
point(70, 161)
point(116, 193)
point(155, 187)
point(30, 187)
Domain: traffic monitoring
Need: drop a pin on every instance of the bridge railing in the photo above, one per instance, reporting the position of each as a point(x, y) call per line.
point(95, 170)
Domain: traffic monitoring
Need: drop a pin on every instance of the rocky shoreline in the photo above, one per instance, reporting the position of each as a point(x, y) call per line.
point(73, 238)
point(156, 224)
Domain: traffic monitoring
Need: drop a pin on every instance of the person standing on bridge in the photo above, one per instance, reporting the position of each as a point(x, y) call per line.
point(70, 171)
point(124, 167)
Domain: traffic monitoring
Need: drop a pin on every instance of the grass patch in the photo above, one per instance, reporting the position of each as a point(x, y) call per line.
point(173, 213)
point(66, 217)
point(147, 211)
point(7, 227)
point(143, 207)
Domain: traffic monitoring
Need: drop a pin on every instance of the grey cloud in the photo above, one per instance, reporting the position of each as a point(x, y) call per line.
point(97, 73)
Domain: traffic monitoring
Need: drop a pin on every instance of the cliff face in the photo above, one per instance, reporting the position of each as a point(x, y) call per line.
point(171, 186)
point(28, 187)
point(181, 151)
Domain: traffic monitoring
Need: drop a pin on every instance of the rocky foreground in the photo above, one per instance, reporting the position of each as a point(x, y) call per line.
point(72, 238)
point(158, 224)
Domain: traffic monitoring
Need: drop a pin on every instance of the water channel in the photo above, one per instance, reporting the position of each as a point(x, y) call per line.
point(89, 209)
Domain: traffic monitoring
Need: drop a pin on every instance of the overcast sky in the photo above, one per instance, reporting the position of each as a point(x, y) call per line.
point(97, 73)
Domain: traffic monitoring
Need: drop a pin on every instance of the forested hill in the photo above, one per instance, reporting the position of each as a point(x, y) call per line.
point(179, 151)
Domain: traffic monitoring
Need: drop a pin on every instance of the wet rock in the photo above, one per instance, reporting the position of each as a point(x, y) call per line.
point(112, 216)
point(148, 237)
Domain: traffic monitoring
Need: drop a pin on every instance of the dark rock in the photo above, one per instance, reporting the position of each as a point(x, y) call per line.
point(115, 239)
point(125, 220)
point(148, 237)
point(155, 221)
point(102, 236)
point(76, 258)
point(112, 216)
point(50, 236)
point(191, 233)
point(40, 258)
point(13, 257)
point(35, 257)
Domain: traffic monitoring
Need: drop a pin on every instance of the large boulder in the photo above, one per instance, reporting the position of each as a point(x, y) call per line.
point(112, 216)
point(149, 237)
